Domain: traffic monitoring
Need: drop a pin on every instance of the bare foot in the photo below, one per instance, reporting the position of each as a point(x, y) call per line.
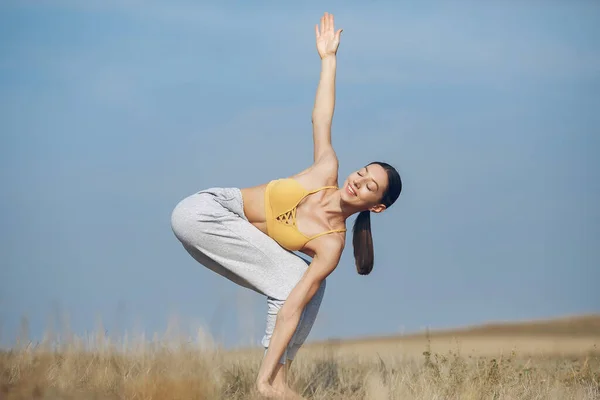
point(289, 394)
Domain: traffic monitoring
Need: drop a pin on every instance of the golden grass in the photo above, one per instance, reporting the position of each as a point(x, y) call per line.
point(459, 366)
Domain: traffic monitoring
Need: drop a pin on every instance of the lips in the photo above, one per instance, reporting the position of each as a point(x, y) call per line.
point(350, 190)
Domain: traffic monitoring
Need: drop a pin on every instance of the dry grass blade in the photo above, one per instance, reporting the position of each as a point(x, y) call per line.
point(427, 368)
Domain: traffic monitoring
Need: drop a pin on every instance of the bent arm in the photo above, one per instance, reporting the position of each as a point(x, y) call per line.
point(322, 115)
point(289, 316)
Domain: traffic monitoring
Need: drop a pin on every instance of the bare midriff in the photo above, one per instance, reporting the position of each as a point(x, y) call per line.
point(254, 206)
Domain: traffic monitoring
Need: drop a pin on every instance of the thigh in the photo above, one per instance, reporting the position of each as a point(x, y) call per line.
point(211, 226)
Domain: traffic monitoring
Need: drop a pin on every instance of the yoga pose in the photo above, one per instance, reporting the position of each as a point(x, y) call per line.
point(249, 235)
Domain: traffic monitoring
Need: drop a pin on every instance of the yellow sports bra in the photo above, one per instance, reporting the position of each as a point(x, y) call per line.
point(282, 197)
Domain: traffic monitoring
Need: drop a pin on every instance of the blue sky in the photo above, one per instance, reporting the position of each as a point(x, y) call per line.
point(111, 112)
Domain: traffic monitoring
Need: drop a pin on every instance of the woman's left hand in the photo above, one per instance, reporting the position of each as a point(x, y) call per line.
point(328, 40)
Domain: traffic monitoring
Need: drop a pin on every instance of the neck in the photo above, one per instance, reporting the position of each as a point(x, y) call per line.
point(334, 206)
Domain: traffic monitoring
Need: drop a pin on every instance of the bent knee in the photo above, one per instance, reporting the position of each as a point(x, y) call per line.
point(180, 220)
point(191, 215)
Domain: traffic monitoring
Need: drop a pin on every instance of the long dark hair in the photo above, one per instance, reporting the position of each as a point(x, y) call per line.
point(362, 240)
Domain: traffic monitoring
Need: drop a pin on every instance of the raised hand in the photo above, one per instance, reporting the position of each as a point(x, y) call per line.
point(328, 40)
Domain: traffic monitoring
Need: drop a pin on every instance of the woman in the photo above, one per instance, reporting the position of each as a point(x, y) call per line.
point(248, 235)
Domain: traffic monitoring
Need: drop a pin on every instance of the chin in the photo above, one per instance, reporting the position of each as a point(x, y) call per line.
point(346, 197)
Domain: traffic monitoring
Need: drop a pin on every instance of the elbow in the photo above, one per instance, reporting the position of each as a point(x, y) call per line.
point(316, 115)
point(322, 113)
point(321, 120)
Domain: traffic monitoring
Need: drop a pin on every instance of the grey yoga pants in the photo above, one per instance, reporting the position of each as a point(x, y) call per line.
point(213, 228)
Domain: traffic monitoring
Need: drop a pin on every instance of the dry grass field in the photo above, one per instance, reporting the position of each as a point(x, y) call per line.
point(557, 359)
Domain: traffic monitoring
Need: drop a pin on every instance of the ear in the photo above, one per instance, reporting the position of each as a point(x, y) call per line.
point(378, 208)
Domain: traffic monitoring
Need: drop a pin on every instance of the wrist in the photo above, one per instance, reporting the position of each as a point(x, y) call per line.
point(261, 381)
point(329, 57)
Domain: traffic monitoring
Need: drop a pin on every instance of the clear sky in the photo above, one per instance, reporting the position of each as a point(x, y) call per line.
point(112, 111)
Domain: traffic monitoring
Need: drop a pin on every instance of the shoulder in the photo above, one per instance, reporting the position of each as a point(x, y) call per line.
point(328, 251)
point(329, 248)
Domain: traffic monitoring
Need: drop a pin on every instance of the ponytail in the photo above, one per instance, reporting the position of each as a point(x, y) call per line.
point(362, 239)
point(363, 243)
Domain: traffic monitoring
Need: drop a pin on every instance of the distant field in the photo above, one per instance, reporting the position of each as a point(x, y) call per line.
point(558, 359)
point(574, 336)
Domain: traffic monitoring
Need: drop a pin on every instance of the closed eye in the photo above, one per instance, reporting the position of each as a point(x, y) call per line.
point(376, 184)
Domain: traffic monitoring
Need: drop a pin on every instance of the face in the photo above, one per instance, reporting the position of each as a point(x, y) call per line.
point(365, 187)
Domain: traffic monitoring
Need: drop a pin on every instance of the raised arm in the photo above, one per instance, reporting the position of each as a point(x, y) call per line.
point(328, 41)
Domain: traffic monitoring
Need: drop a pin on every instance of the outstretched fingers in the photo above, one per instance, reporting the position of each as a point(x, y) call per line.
point(327, 23)
point(327, 26)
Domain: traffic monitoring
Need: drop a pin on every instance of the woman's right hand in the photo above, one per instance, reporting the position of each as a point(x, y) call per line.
point(268, 391)
point(328, 40)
